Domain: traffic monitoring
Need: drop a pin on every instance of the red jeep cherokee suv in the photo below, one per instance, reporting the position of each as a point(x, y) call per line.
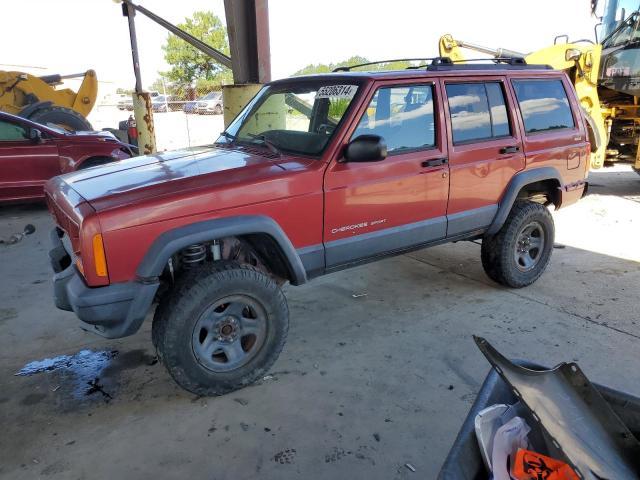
point(316, 174)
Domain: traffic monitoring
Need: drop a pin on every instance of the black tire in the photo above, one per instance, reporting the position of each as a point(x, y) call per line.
point(217, 110)
point(176, 331)
point(505, 256)
point(95, 161)
point(64, 117)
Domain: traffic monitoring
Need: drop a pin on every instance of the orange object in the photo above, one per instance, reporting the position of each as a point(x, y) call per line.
point(530, 465)
point(98, 256)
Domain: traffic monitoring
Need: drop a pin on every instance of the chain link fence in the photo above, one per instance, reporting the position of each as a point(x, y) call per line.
point(179, 122)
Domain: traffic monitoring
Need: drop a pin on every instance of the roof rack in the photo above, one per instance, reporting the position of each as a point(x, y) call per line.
point(348, 68)
point(445, 63)
point(498, 63)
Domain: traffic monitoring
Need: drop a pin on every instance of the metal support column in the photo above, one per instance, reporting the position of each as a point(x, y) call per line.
point(142, 108)
point(248, 30)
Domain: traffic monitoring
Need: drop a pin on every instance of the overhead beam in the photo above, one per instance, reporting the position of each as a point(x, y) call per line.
point(178, 32)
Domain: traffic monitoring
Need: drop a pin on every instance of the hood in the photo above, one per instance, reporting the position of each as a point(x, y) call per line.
point(93, 133)
point(170, 173)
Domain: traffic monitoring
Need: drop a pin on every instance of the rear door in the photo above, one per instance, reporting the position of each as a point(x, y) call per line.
point(24, 165)
point(376, 208)
point(485, 149)
point(554, 131)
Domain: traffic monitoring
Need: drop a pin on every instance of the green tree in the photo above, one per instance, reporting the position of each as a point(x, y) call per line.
point(190, 66)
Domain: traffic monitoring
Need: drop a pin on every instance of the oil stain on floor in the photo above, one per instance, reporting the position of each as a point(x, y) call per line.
point(89, 375)
point(82, 370)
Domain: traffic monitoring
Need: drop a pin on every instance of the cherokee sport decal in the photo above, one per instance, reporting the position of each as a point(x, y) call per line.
point(357, 226)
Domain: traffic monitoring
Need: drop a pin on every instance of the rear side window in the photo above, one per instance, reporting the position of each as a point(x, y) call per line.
point(403, 116)
point(544, 105)
point(478, 111)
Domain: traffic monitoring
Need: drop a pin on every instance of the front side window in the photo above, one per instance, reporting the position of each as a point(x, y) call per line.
point(544, 105)
point(478, 111)
point(298, 118)
point(12, 132)
point(402, 116)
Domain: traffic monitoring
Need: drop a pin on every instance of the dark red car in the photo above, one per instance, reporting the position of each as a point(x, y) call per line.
point(31, 154)
point(316, 174)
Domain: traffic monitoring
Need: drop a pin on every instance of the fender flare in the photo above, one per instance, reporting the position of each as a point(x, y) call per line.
point(29, 110)
point(516, 184)
point(172, 241)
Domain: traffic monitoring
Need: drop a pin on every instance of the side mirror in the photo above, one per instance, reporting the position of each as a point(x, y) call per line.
point(35, 135)
point(366, 148)
point(572, 54)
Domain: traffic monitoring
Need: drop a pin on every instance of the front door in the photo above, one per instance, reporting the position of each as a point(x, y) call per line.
point(375, 208)
point(24, 165)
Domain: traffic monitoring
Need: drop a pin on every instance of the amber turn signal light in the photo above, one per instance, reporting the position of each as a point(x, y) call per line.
point(99, 258)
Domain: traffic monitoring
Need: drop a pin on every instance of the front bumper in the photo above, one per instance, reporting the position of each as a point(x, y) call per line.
point(114, 311)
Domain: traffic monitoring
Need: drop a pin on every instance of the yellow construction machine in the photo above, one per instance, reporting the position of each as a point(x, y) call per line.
point(605, 73)
point(39, 99)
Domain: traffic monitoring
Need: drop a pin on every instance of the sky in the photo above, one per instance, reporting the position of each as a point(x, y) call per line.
point(70, 36)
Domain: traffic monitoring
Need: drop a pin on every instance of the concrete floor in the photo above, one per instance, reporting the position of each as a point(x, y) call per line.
point(364, 385)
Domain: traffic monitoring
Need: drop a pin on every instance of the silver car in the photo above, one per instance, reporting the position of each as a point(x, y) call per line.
point(210, 104)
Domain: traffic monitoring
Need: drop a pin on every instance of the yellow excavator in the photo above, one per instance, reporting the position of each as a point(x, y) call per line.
point(605, 73)
point(39, 99)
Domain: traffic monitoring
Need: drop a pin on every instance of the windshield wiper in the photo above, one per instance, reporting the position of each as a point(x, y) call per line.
point(268, 143)
point(229, 136)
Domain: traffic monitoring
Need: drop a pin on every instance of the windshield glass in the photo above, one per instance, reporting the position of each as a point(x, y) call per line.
point(616, 13)
point(210, 96)
point(297, 118)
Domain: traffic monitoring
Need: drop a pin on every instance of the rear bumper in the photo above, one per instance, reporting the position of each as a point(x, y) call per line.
point(114, 311)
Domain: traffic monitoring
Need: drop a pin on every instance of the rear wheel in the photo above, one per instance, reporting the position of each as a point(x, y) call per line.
point(221, 328)
point(217, 110)
point(520, 252)
point(64, 117)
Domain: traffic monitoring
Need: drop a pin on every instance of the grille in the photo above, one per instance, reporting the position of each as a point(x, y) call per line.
point(263, 152)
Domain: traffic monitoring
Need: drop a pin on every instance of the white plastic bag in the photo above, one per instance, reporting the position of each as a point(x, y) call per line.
point(508, 439)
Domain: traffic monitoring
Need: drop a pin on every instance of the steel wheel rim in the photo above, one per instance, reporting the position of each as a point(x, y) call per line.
point(529, 247)
point(229, 333)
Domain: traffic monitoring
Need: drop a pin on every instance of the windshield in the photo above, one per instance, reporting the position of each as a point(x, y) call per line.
point(210, 96)
point(620, 15)
point(298, 118)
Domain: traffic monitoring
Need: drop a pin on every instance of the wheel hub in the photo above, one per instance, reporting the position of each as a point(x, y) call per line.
point(229, 333)
point(227, 329)
point(529, 246)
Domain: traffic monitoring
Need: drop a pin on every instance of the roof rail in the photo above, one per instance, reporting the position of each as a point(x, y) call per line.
point(498, 63)
point(445, 63)
point(348, 68)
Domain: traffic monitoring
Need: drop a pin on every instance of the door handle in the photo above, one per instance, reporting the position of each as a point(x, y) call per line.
point(512, 149)
point(436, 162)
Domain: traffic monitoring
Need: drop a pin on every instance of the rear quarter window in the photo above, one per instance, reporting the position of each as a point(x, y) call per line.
point(544, 105)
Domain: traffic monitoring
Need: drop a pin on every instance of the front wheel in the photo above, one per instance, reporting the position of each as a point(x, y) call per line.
point(221, 328)
point(520, 252)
